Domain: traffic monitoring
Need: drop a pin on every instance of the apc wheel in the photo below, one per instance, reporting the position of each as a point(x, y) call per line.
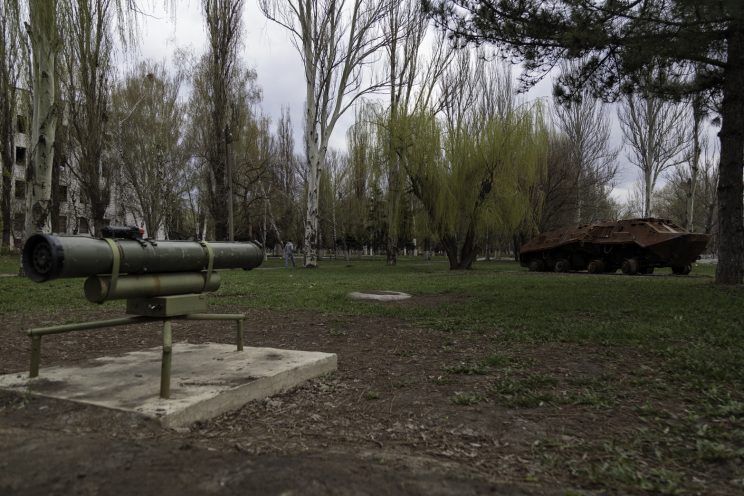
point(630, 266)
point(562, 265)
point(596, 267)
point(537, 266)
point(681, 270)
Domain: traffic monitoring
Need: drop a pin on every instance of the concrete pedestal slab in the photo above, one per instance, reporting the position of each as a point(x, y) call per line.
point(206, 380)
point(380, 296)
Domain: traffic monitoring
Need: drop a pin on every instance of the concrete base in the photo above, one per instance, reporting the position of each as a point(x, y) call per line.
point(206, 380)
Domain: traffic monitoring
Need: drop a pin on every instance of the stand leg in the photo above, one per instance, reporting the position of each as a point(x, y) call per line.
point(240, 334)
point(165, 368)
point(35, 356)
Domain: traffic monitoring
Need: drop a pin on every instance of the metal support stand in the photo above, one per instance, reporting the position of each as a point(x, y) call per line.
point(35, 356)
point(165, 366)
point(239, 338)
point(165, 369)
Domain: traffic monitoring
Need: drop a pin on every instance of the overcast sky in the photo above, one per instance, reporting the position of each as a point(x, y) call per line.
point(267, 49)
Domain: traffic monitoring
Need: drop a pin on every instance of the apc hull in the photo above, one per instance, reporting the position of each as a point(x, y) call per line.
point(633, 245)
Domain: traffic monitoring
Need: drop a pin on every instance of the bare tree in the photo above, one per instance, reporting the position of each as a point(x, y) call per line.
point(89, 68)
point(652, 129)
point(223, 92)
point(672, 200)
point(12, 119)
point(287, 190)
point(693, 159)
point(149, 120)
point(460, 86)
point(336, 39)
point(708, 192)
point(223, 20)
point(586, 126)
point(556, 203)
point(253, 152)
point(286, 166)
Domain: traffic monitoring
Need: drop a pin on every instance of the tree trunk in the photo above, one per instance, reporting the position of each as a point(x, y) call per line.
point(450, 248)
point(151, 225)
point(730, 186)
point(516, 245)
point(98, 212)
point(391, 250)
point(8, 163)
point(648, 186)
point(310, 244)
point(44, 125)
point(54, 209)
point(469, 250)
point(461, 257)
point(6, 205)
point(7, 148)
point(697, 117)
point(333, 225)
point(219, 203)
point(264, 228)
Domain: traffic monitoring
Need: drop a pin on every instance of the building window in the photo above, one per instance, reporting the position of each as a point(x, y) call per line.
point(83, 225)
point(20, 155)
point(21, 124)
point(20, 189)
point(62, 223)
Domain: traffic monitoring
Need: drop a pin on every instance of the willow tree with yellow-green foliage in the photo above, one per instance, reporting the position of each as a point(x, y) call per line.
point(473, 173)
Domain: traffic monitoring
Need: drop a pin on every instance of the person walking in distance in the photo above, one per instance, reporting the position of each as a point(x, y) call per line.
point(289, 254)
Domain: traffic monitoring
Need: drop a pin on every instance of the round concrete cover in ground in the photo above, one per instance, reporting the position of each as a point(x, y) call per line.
point(380, 296)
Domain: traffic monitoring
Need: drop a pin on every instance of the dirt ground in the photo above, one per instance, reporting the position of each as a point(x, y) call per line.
point(406, 413)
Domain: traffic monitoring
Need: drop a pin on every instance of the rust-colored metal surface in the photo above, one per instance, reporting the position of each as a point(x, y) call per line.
point(636, 246)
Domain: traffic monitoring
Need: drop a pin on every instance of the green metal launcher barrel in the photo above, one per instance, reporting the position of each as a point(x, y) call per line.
point(136, 268)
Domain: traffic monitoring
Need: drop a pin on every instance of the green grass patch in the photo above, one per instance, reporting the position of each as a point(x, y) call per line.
point(682, 395)
point(695, 326)
point(530, 391)
point(9, 264)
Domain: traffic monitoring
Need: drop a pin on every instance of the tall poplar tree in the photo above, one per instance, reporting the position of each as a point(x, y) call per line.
point(11, 65)
point(44, 46)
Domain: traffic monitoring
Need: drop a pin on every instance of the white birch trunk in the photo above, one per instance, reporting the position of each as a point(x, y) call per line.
point(316, 158)
point(312, 151)
point(44, 123)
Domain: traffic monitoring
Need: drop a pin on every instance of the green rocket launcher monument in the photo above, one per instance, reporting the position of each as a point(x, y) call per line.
point(161, 280)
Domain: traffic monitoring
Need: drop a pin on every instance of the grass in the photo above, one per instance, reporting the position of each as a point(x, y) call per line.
point(9, 264)
point(695, 325)
point(690, 331)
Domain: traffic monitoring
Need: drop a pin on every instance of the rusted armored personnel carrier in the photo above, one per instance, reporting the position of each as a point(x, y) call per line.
point(637, 246)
